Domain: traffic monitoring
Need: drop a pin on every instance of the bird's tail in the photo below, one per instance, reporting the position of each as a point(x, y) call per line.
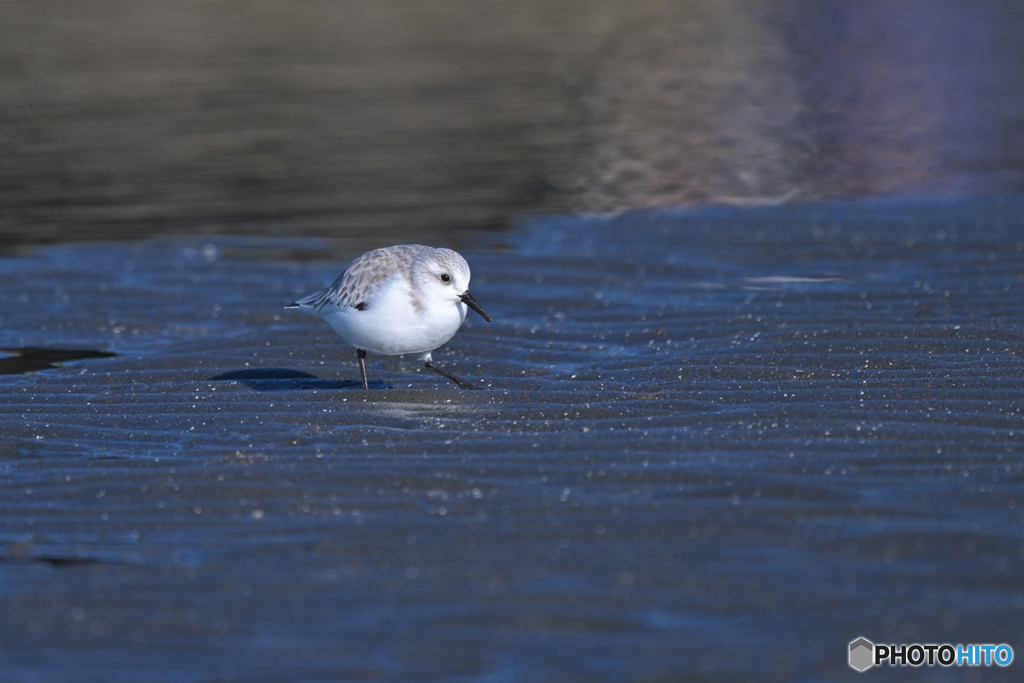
point(307, 304)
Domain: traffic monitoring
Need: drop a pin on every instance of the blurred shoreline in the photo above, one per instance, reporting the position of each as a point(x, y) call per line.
point(400, 121)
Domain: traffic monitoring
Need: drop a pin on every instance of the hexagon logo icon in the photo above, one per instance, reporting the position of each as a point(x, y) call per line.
point(862, 654)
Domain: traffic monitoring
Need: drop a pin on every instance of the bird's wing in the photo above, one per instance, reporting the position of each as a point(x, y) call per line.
point(357, 282)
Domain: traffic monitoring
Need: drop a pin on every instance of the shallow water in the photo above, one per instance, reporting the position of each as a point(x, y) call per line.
point(718, 443)
point(402, 121)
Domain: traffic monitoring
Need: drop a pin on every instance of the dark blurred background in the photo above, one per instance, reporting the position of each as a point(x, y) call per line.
point(395, 119)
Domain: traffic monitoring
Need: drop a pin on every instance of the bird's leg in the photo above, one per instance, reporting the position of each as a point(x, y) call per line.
point(461, 383)
point(361, 355)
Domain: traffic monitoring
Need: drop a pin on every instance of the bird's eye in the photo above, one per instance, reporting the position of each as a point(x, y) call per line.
point(445, 277)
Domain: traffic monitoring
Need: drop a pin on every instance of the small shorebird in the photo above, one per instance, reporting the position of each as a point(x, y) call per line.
point(396, 300)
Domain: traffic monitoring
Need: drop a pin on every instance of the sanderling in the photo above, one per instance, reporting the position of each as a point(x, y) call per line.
point(396, 300)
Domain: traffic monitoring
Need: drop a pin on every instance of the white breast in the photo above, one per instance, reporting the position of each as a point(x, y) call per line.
point(393, 325)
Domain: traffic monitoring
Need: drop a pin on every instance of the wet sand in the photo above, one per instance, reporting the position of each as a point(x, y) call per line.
point(717, 443)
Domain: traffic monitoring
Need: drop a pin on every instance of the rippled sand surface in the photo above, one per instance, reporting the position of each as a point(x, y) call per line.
point(717, 443)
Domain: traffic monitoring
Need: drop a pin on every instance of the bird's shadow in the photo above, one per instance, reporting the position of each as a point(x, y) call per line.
point(284, 379)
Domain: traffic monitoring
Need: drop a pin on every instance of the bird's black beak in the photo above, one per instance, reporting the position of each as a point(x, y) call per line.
point(468, 299)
